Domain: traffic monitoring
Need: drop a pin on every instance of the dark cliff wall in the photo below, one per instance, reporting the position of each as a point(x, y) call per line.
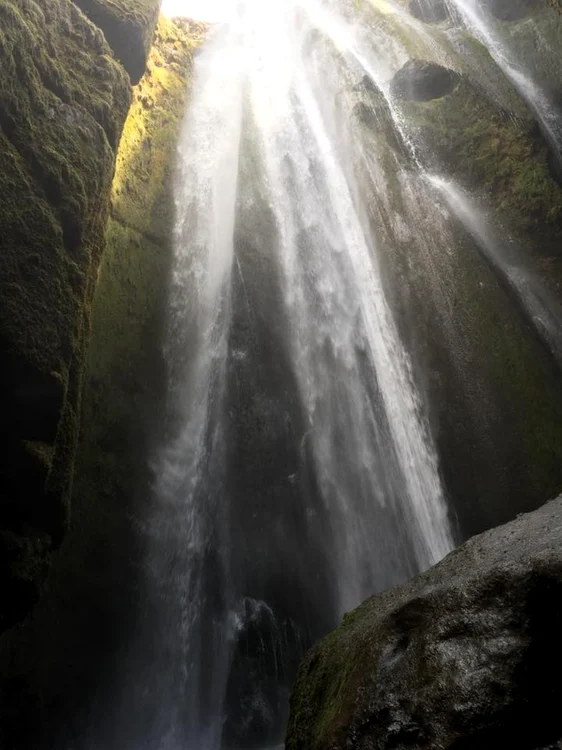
point(63, 102)
point(56, 663)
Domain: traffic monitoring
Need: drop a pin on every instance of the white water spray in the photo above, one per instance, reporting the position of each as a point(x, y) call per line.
point(266, 182)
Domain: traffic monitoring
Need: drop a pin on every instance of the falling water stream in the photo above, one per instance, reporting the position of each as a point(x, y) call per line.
point(531, 88)
point(299, 473)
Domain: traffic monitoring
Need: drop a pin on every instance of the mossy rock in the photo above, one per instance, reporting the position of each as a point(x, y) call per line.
point(63, 101)
point(485, 149)
point(128, 26)
point(463, 656)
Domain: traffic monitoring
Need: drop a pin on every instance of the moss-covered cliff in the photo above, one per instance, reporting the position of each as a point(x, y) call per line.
point(128, 26)
point(92, 588)
point(63, 101)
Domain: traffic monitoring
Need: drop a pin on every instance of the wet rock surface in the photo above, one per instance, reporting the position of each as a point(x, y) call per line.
point(430, 11)
point(465, 656)
point(509, 10)
point(422, 81)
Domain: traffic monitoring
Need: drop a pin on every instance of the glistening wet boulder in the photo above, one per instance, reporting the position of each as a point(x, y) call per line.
point(466, 656)
point(422, 81)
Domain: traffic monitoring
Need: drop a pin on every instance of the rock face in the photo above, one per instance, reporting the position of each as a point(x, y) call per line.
point(483, 366)
point(48, 677)
point(430, 11)
point(465, 656)
point(509, 10)
point(63, 103)
point(63, 100)
point(128, 26)
point(422, 81)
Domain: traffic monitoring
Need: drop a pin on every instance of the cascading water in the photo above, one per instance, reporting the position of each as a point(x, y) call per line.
point(299, 475)
point(357, 286)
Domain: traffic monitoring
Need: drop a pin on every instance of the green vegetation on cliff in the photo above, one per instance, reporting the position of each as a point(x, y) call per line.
point(63, 101)
point(124, 382)
point(92, 587)
point(486, 149)
point(128, 26)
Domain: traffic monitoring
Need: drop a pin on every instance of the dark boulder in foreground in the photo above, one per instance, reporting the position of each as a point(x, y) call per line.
point(421, 81)
point(466, 656)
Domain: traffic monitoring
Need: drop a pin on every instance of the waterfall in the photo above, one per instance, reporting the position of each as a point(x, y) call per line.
point(299, 474)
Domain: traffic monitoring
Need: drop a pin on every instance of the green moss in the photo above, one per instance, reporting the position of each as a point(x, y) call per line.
point(63, 101)
point(129, 28)
point(534, 43)
point(323, 695)
point(92, 587)
point(484, 148)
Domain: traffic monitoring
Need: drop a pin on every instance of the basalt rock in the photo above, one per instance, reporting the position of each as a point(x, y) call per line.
point(464, 657)
point(63, 103)
point(422, 81)
point(48, 677)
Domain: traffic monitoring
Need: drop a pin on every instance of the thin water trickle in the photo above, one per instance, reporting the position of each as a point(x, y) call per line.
point(488, 31)
point(540, 308)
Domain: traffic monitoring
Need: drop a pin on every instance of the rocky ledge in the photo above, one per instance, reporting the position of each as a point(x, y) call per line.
point(466, 656)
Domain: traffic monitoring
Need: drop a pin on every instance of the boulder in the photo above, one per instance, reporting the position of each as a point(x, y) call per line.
point(422, 81)
point(465, 656)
